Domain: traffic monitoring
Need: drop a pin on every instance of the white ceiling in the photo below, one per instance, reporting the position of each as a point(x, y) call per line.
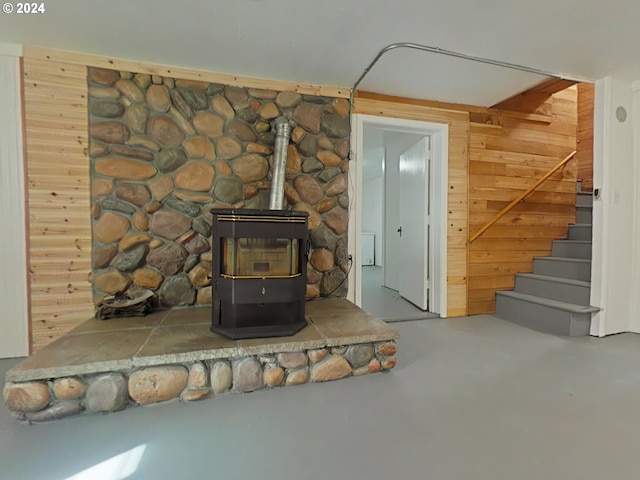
point(330, 42)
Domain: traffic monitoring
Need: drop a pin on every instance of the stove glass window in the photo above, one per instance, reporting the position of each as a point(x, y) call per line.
point(260, 257)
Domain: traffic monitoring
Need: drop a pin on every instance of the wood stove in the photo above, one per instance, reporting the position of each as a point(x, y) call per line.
point(259, 272)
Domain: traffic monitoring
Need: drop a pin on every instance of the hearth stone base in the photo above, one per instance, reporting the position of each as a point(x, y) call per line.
point(107, 366)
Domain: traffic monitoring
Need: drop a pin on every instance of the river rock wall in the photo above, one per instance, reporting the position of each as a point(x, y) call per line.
point(166, 151)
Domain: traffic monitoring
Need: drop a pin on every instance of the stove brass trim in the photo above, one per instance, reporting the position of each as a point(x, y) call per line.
point(244, 218)
point(255, 277)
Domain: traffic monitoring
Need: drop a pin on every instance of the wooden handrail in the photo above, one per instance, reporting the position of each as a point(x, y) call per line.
point(506, 209)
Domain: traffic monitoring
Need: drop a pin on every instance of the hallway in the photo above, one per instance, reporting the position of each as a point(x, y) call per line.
point(384, 303)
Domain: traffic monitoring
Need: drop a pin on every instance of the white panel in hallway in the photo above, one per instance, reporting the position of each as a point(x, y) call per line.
point(14, 340)
point(414, 212)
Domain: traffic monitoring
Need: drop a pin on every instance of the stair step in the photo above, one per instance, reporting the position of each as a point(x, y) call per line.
point(571, 268)
point(544, 315)
point(584, 215)
point(584, 199)
point(571, 249)
point(580, 231)
point(554, 288)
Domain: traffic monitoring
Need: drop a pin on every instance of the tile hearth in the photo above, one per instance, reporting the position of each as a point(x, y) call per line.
point(109, 365)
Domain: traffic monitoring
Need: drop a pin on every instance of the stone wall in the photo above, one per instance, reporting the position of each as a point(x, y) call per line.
point(165, 151)
point(47, 400)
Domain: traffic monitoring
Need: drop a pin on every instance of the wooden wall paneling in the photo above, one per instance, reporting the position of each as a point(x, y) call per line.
point(457, 219)
point(529, 102)
point(510, 244)
point(480, 269)
point(57, 169)
point(88, 60)
point(511, 256)
point(584, 156)
point(552, 85)
point(501, 167)
point(522, 219)
point(533, 147)
point(519, 183)
point(507, 195)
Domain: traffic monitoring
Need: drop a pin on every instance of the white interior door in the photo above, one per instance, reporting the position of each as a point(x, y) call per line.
point(414, 224)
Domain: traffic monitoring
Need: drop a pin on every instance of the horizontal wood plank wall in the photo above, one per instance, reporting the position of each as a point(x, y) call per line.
point(88, 60)
point(507, 155)
point(457, 231)
point(584, 156)
point(57, 169)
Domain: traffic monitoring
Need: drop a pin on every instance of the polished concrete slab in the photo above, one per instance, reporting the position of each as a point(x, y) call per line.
point(384, 303)
point(470, 398)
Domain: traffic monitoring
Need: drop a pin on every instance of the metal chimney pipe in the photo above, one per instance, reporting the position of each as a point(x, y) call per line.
point(283, 131)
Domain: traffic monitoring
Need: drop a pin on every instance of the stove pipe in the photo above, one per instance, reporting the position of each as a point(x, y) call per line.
point(283, 131)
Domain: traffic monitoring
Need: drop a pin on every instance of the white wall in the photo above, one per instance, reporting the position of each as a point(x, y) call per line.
point(14, 329)
point(635, 288)
point(615, 232)
point(372, 201)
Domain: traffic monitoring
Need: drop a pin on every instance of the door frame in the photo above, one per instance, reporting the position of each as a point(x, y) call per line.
point(14, 294)
point(438, 176)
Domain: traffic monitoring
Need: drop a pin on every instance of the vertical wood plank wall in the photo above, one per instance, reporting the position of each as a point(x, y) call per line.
point(57, 168)
point(584, 157)
point(507, 155)
point(457, 229)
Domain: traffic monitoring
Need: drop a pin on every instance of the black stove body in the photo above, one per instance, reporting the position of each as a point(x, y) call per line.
point(259, 272)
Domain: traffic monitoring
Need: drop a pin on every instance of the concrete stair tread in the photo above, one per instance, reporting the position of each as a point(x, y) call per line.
point(584, 199)
point(580, 231)
point(564, 259)
point(550, 278)
point(567, 307)
point(584, 214)
point(582, 242)
point(556, 298)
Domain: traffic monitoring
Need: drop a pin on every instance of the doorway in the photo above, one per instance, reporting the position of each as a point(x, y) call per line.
point(380, 275)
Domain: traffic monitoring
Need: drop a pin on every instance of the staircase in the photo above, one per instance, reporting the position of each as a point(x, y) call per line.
point(555, 297)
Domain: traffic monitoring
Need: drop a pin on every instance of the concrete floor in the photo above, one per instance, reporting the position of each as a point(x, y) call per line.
point(471, 398)
point(384, 303)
